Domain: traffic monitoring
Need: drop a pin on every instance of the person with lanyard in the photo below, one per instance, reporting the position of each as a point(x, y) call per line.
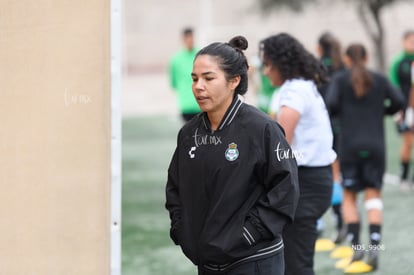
point(400, 75)
point(179, 74)
point(353, 94)
point(232, 182)
point(302, 113)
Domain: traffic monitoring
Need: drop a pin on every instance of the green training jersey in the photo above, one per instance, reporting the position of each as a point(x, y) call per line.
point(400, 72)
point(265, 93)
point(180, 69)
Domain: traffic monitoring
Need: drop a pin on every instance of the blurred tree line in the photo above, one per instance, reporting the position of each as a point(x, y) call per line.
point(368, 11)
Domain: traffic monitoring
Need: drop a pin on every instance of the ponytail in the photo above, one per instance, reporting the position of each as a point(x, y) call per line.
point(360, 77)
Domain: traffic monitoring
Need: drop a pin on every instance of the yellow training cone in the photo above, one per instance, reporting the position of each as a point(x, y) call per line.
point(358, 267)
point(342, 252)
point(324, 245)
point(343, 263)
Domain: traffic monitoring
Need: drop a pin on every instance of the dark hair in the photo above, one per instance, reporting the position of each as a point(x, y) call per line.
point(187, 31)
point(231, 60)
point(331, 49)
point(292, 59)
point(408, 33)
point(360, 77)
point(324, 42)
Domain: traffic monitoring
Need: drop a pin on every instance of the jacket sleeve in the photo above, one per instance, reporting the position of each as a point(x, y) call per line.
point(173, 204)
point(279, 176)
point(333, 98)
point(394, 99)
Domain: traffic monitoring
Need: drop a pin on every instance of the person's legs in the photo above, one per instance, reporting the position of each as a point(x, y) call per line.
point(374, 206)
point(299, 239)
point(340, 226)
point(273, 265)
point(336, 203)
point(315, 186)
point(337, 198)
point(349, 207)
point(337, 195)
point(351, 217)
point(405, 156)
point(370, 174)
point(351, 173)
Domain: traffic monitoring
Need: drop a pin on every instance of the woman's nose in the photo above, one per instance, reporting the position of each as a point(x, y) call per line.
point(197, 84)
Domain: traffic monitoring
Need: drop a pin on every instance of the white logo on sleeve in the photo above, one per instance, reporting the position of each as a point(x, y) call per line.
point(191, 152)
point(282, 153)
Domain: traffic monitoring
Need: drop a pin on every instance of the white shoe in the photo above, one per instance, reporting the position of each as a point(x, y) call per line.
point(405, 186)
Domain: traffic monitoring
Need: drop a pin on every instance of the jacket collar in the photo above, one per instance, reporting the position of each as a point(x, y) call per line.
point(228, 116)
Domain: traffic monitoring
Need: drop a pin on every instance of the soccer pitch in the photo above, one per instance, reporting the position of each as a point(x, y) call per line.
point(148, 144)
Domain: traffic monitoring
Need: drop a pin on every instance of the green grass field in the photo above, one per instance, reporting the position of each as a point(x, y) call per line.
point(148, 144)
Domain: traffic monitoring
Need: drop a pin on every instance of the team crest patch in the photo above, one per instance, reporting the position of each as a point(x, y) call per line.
point(232, 153)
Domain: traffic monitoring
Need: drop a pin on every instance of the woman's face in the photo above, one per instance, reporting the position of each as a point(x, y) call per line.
point(211, 89)
point(272, 72)
point(408, 44)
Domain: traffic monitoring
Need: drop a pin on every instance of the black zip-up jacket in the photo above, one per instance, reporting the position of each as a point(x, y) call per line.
point(230, 192)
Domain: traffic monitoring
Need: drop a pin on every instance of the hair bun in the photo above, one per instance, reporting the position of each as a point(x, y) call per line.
point(239, 42)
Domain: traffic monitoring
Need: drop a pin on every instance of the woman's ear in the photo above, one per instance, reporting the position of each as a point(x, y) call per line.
point(366, 59)
point(234, 82)
point(347, 61)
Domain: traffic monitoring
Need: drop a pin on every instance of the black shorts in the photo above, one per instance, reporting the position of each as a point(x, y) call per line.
point(361, 174)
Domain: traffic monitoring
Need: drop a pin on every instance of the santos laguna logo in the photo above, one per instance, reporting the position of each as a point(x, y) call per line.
point(283, 153)
point(232, 153)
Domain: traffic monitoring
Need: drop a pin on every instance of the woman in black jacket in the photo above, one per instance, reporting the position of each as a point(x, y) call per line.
point(232, 181)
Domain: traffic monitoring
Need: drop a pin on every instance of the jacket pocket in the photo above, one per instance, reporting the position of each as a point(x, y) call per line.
point(250, 234)
point(238, 239)
point(254, 231)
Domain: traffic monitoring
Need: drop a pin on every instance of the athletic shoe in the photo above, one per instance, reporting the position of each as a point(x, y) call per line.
point(358, 255)
point(373, 259)
point(359, 266)
point(350, 264)
point(405, 186)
